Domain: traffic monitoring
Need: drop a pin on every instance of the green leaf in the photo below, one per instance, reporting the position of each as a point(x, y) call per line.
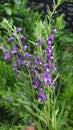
point(66, 38)
point(8, 10)
point(60, 23)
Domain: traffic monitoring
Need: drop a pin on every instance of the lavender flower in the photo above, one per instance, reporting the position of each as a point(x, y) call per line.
point(14, 50)
point(20, 61)
point(46, 78)
point(50, 40)
point(42, 97)
point(39, 42)
point(8, 99)
point(7, 56)
point(27, 55)
point(36, 82)
point(52, 67)
point(32, 71)
point(22, 38)
point(25, 47)
point(27, 63)
point(41, 87)
point(38, 69)
point(54, 31)
point(37, 61)
point(11, 39)
point(48, 52)
point(18, 29)
point(46, 67)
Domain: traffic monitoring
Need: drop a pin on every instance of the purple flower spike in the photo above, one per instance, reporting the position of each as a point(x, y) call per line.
point(11, 39)
point(39, 42)
point(54, 31)
point(18, 29)
point(42, 97)
point(46, 78)
point(7, 56)
point(22, 38)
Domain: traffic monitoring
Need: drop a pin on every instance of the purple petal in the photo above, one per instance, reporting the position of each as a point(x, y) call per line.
point(11, 39)
point(18, 29)
point(39, 42)
point(25, 47)
point(54, 31)
point(22, 38)
point(46, 78)
point(7, 56)
point(42, 97)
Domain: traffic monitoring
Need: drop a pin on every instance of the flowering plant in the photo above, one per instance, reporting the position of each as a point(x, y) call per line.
point(41, 73)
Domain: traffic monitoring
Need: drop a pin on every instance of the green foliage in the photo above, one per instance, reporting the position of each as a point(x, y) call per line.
point(20, 15)
point(15, 98)
point(7, 76)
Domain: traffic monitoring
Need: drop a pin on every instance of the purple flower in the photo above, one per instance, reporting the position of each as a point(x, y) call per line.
point(36, 82)
point(32, 71)
point(20, 61)
point(18, 29)
point(42, 97)
point(27, 55)
point(22, 38)
point(48, 52)
point(52, 67)
point(50, 40)
point(41, 87)
point(39, 42)
point(46, 78)
point(11, 39)
point(8, 99)
point(38, 69)
point(46, 67)
point(7, 56)
point(54, 31)
point(25, 47)
point(27, 63)
point(38, 61)
point(14, 50)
